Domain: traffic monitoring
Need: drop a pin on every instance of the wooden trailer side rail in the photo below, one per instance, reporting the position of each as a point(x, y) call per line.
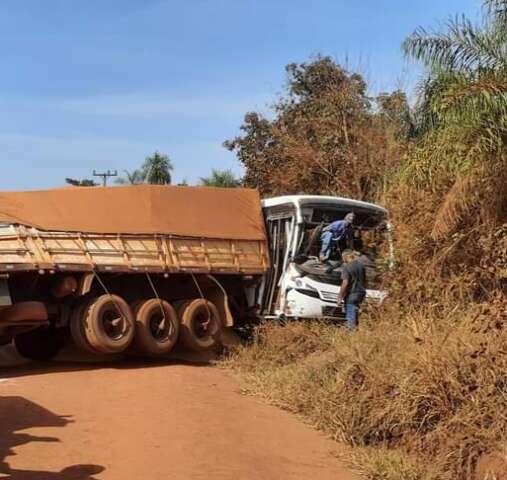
point(23, 248)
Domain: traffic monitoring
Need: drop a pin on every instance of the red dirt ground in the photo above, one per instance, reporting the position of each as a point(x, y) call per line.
point(148, 421)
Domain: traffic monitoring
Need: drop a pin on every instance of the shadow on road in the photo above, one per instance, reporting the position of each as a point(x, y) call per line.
point(12, 366)
point(75, 472)
point(18, 413)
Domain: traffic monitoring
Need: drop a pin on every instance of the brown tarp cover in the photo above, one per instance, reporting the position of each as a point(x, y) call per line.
point(222, 213)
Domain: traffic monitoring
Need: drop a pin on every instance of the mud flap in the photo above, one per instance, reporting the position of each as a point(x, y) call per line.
point(25, 313)
point(220, 299)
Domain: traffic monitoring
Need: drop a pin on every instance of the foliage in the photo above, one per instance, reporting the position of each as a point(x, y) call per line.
point(327, 136)
point(423, 394)
point(221, 178)
point(462, 117)
point(156, 170)
point(132, 177)
point(85, 182)
point(419, 390)
point(389, 464)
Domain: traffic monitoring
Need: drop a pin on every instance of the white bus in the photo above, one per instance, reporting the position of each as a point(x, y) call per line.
point(298, 285)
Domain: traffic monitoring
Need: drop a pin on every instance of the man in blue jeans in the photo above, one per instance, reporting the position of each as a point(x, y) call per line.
point(353, 287)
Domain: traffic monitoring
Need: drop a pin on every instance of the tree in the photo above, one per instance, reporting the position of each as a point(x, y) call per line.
point(132, 177)
point(462, 117)
point(221, 178)
point(157, 169)
point(86, 182)
point(327, 136)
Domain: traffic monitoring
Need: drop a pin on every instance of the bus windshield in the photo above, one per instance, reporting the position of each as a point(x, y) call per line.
point(369, 238)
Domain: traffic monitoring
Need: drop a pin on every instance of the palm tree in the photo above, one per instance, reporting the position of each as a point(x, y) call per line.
point(462, 114)
point(221, 178)
point(157, 169)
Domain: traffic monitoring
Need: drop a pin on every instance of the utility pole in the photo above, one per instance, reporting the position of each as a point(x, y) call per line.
point(105, 175)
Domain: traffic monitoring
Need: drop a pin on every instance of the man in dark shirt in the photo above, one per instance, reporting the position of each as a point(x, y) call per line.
point(353, 287)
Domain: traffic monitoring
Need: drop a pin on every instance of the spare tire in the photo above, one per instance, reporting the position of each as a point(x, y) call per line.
point(200, 324)
point(157, 327)
point(39, 344)
point(109, 324)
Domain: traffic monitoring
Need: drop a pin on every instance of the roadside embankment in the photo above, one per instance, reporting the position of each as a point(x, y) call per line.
point(422, 398)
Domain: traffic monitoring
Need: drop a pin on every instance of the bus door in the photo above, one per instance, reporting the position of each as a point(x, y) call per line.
point(280, 230)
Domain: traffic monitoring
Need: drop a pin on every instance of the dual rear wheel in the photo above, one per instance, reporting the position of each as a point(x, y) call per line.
point(107, 324)
point(157, 327)
point(103, 324)
point(200, 324)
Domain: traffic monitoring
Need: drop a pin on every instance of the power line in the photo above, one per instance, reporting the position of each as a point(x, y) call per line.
point(105, 175)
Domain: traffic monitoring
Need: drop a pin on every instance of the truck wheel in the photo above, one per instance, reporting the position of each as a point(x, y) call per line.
point(38, 344)
point(109, 324)
point(200, 324)
point(155, 335)
point(77, 328)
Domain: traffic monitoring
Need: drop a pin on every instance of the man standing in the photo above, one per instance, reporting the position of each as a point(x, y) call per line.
point(353, 287)
point(336, 232)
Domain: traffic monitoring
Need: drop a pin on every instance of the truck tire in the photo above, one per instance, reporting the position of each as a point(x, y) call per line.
point(109, 324)
point(195, 334)
point(38, 344)
point(155, 336)
point(77, 327)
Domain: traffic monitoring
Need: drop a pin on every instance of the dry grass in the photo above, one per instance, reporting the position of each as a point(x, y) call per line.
point(426, 395)
point(420, 390)
point(388, 464)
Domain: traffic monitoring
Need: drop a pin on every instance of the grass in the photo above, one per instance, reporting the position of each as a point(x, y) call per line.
point(385, 464)
point(422, 397)
point(419, 391)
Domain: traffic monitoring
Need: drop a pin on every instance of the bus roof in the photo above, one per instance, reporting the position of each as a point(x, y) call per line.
point(302, 200)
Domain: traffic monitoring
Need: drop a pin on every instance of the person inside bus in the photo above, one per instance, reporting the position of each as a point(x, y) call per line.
point(334, 234)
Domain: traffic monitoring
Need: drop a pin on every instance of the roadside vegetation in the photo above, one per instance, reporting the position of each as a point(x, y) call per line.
point(157, 170)
point(420, 390)
point(221, 178)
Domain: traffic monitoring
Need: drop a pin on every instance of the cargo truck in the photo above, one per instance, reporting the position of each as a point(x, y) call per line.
point(139, 268)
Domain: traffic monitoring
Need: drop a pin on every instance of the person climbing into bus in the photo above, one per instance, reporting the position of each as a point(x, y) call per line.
point(334, 233)
point(353, 287)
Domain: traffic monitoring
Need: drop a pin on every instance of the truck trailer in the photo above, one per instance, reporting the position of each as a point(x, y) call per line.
point(135, 269)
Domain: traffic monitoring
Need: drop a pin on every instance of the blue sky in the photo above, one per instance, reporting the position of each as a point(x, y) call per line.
point(98, 84)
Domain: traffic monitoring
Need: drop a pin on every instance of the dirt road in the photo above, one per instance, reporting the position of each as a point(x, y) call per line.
point(148, 421)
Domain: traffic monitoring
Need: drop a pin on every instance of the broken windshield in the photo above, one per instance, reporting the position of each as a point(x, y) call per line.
point(368, 239)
